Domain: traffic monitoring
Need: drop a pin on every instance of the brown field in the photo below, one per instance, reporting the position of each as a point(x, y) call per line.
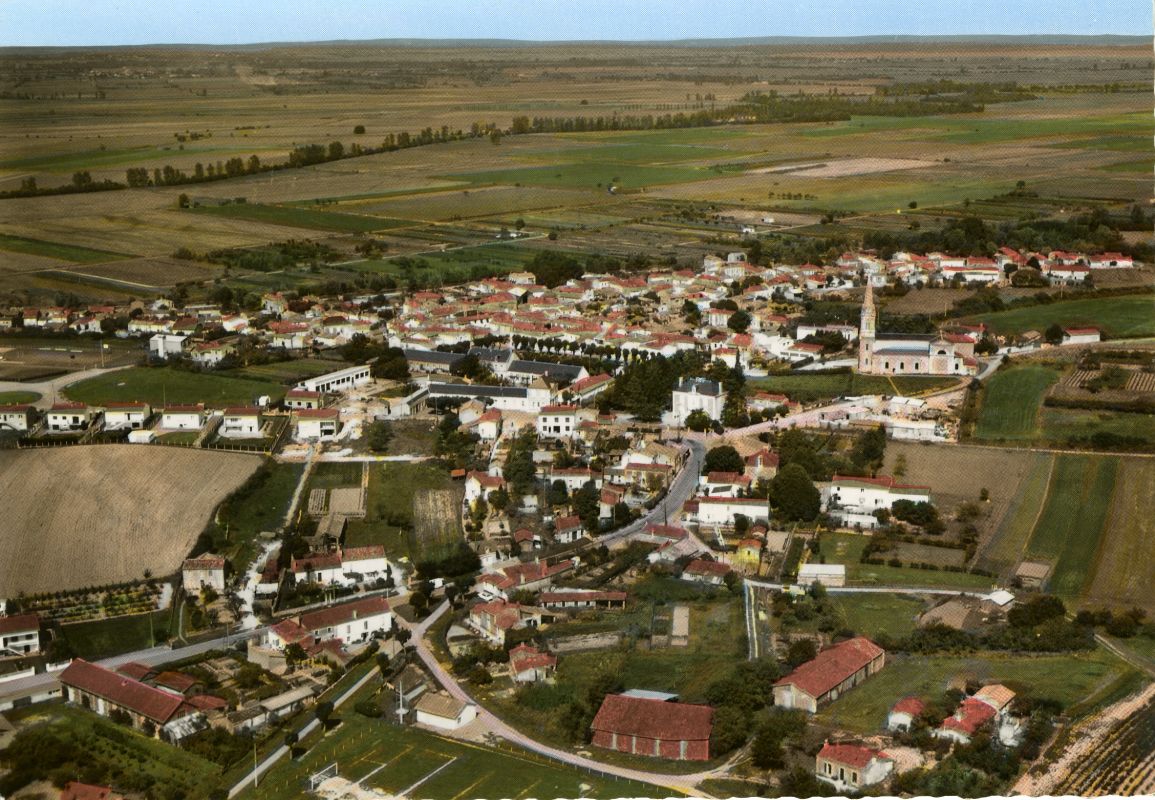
point(1123, 569)
point(925, 301)
point(91, 515)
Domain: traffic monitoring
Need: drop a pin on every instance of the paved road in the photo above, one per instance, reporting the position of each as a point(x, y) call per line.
point(670, 508)
point(50, 389)
point(871, 589)
point(686, 784)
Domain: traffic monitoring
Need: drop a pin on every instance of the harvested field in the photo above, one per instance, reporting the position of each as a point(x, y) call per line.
point(911, 553)
point(436, 523)
point(925, 301)
point(1125, 564)
point(126, 508)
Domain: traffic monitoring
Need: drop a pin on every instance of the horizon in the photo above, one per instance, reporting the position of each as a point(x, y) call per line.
point(208, 23)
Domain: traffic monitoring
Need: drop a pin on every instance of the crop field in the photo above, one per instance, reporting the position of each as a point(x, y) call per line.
point(1118, 317)
point(1061, 424)
point(1068, 531)
point(1122, 571)
point(163, 385)
point(112, 508)
point(1004, 549)
point(300, 217)
point(1070, 679)
point(806, 388)
point(1011, 402)
point(54, 250)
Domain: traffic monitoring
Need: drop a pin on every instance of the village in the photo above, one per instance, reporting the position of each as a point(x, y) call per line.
point(616, 492)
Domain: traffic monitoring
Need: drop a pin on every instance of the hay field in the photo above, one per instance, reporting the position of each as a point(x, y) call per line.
point(1125, 564)
point(81, 516)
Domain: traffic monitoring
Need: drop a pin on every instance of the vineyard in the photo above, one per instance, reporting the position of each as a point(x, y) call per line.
point(1122, 761)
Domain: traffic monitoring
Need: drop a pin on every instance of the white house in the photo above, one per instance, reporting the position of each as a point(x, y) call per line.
point(854, 499)
point(323, 568)
point(317, 424)
point(489, 425)
point(302, 398)
point(15, 418)
point(204, 570)
point(241, 423)
point(182, 418)
point(480, 484)
point(440, 710)
point(721, 511)
point(568, 529)
point(350, 623)
point(210, 354)
point(63, 417)
point(1081, 336)
point(851, 767)
point(126, 416)
point(19, 634)
point(903, 714)
point(164, 345)
point(825, 574)
point(369, 562)
point(557, 422)
point(694, 394)
point(527, 664)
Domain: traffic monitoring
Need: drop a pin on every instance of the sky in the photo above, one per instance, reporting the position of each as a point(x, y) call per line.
point(106, 22)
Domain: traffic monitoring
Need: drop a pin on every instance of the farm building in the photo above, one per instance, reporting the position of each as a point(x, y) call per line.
point(850, 767)
point(439, 710)
point(653, 728)
point(828, 675)
point(582, 598)
point(205, 570)
point(317, 424)
point(152, 711)
point(903, 714)
point(164, 345)
point(1033, 574)
point(19, 634)
point(340, 381)
point(702, 570)
point(527, 664)
point(1081, 336)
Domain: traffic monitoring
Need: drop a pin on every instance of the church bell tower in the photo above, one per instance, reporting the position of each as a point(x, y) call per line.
point(866, 329)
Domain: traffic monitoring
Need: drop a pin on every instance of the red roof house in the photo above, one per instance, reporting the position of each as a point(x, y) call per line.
point(833, 671)
point(656, 728)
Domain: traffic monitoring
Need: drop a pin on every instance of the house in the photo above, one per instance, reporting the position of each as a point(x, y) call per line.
point(211, 354)
point(971, 716)
point(317, 424)
point(204, 570)
point(19, 634)
point(152, 711)
point(834, 671)
point(322, 568)
point(722, 511)
point(349, 623)
point(297, 399)
point(489, 425)
point(527, 664)
point(1081, 336)
point(568, 530)
point(851, 767)
point(701, 570)
point(530, 576)
point(182, 418)
point(126, 416)
point(480, 484)
point(575, 478)
point(656, 728)
point(241, 423)
point(723, 484)
point(166, 345)
point(493, 619)
point(903, 714)
point(853, 500)
point(963, 613)
point(440, 710)
point(64, 417)
point(368, 562)
point(825, 574)
point(586, 389)
point(15, 418)
point(582, 599)
point(557, 422)
point(697, 394)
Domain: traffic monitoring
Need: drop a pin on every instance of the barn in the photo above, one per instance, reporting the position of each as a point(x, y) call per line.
point(656, 728)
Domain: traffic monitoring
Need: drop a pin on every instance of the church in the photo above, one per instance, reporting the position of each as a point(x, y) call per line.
point(910, 353)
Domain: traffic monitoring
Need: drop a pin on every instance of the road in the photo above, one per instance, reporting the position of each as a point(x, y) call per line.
point(670, 508)
point(49, 390)
point(686, 784)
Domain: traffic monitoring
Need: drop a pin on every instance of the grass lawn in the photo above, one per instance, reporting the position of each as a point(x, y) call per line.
point(412, 437)
point(361, 746)
point(1076, 678)
point(846, 548)
point(106, 637)
point(1011, 403)
point(335, 474)
point(128, 754)
point(288, 372)
point(160, 385)
point(1118, 317)
point(65, 252)
point(301, 217)
point(806, 387)
point(872, 614)
point(389, 515)
point(1067, 534)
point(18, 398)
point(1061, 424)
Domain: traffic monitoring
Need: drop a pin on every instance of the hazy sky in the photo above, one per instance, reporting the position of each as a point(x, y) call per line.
point(80, 22)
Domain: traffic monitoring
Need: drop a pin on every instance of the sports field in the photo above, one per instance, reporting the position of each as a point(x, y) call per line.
point(159, 386)
point(1011, 402)
point(1124, 317)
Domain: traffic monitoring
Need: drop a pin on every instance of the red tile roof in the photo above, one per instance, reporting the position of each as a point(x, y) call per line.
point(971, 715)
point(177, 681)
point(318, 413)
point(701, 566)
point(851, 755)
point(154, 704)
point(525, 657)
point(74, 790)
point(654, 719)
point(568, 523)
point(337, 615)
point(290, 632)
point(19, 623)
point(832, 666)
point(909, 705)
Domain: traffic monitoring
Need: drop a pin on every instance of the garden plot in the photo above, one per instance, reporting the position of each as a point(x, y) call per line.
point(436, 522)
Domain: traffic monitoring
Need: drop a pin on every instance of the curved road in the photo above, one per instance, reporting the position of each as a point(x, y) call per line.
point(50, 389)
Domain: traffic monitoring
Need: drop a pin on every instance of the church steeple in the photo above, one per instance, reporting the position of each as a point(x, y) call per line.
point(869, 318)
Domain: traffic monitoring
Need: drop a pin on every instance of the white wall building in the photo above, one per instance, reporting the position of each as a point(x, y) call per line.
point(557, 422)
point(694, 394)
point(340, 381)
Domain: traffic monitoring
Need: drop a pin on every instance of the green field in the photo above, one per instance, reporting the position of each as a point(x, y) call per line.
point(18, 398)
point(588, 175)
point(159, 386)
point(105, 637)
point(1011, 402)
point(805, 387)
point(65, 252)
point(1006, 547)
point(461, 264)
point(401, 757)
point(263, 510)
point(872, 614)
point(1129, 316)
point(297, 217)
point(390, 519)
point(287, 372)
point(1072, 679)
point(1144, 165)
point(1061, 424)
point(1067, 534)
point(846, 548)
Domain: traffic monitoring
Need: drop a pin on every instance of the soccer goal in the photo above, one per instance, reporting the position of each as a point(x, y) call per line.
point(322, 775)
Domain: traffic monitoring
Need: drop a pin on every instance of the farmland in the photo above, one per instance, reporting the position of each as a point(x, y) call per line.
point(299, 217)
point(164, 385)
point(1011, 402)
point(1122, 573)
point(807, 388)
point(112, 509)
point(1126, 317)
point(397, 492)
point(846, 548)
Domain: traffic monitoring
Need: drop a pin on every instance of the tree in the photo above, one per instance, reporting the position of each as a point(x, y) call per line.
point(378, 435)
point(739, 321)
point(794, 494)
point(800, 651)
point(1054, 334)
point(499, 499)
point(358, 130)
point(295, 654)
point(723, 458)
point(730, 731)
point(698, 420)
point(323, 711)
